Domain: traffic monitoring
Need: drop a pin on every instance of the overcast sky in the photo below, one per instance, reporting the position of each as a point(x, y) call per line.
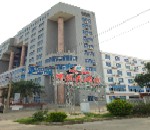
point(123, 25)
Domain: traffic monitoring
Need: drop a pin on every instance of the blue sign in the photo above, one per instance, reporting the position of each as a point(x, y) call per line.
point(35, 70)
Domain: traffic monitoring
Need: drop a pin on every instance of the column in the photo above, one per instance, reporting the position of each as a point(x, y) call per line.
point(22, 60)
point(11, 60)
point(60, 35)
point(60, 95)
point(60, 89)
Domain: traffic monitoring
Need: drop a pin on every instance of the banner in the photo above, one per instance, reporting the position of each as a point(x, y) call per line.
point(35, 70)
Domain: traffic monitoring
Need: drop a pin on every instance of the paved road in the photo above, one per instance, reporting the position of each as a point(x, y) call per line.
point(124, 124)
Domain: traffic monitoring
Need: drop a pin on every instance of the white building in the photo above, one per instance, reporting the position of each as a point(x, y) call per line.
point(119, 72)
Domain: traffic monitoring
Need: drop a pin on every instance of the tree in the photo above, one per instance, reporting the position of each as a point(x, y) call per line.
point(147, 66)
point(144, 79)
point(26, 88)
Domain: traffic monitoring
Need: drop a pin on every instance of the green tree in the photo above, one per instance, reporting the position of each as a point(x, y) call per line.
point(26, 88)
point(147, 66)
point(144, 79)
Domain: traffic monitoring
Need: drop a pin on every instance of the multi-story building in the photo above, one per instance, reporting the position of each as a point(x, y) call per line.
point(119, 72)
point(60, 37)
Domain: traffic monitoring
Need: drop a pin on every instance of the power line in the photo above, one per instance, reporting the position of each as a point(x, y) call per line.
point(125, 32)
point(123, 22)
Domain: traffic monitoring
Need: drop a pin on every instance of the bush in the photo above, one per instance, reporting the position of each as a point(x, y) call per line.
point(40, 115)
point(119, 107)
point(141, 109)
point(56, 116)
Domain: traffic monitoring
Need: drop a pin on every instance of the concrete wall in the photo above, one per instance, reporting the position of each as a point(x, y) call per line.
point(52, 37)
point(70, 35)
point(4, 66)
point(48, 94)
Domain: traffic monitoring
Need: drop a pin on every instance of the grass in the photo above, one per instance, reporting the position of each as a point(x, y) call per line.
point(88, 117)
point(93, 115)
point(28, 120)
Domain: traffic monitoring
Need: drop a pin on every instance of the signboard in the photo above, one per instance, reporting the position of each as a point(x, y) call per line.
point(16, 97)
point(35, 70)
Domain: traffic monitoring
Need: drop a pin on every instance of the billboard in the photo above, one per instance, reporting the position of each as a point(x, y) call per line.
point(36, 70)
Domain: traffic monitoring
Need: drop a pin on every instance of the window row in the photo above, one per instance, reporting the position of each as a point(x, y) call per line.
point(85, 14)
point(64, 66)
point(120, 80)
point(86, 20)
point(86, 27)
point(89, 53)
point(88, 46)
point(61, 58)
point(87, 32)
point(117, 58)
point(119, 72)
point(90, 69)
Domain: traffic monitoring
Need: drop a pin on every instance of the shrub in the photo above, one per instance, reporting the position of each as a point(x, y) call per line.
point(141, 109)
point(119, 107)
point(40, 115)
point(56, 116)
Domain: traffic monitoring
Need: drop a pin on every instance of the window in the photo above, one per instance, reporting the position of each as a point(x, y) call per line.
point(47, 61)
point(90, 98)
point(118, 65)
point(127, 67)
point(110, 79)
point(108, 64)
point(119, 72)
point(33, 29)
point(126, 60)
point(33, 40)
point(40, 42)
point(117, 58)
point(135, 61)
point(120, 80)
point(85, 45)
point(130, 80)
point(128, 73)
point(40, 36)
point(107, 56)
point(109, 71)
point(136, 68)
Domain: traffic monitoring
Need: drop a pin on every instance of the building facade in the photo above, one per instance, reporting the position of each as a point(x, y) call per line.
point(60, 37)
point(119, 72)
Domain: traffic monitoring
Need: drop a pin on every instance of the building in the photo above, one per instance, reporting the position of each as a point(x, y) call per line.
point(60, 37)
point(119, 72)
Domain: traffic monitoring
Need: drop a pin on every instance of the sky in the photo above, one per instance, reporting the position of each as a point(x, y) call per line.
point(123, 25)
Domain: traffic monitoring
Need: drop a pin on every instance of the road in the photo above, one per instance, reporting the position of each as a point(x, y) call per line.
point(123, 124)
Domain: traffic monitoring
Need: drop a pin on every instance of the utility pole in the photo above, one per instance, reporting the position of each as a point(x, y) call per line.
point(7, 106)
point(55, 87)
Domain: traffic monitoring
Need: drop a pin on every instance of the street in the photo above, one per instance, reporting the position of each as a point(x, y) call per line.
point(123, 124)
